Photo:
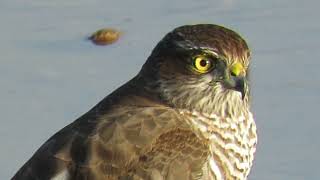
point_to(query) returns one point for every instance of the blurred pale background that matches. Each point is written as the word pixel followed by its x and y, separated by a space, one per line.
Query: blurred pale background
pixel 50 74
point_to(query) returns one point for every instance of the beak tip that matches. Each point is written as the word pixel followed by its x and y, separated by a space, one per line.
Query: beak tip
pixel 243 95
pixel 239 86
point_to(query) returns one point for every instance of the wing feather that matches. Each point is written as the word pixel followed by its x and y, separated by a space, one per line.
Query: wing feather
pixel 100 146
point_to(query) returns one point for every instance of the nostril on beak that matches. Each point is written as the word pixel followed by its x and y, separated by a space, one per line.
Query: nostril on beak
pixel 233 74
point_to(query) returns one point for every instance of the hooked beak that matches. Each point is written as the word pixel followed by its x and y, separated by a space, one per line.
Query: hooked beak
pixel 232 78
pixel 236 83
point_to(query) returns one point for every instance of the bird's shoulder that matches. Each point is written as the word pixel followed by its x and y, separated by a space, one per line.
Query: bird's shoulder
pixel 106 137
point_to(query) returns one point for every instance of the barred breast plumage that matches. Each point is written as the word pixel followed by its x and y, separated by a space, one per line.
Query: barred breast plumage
pixel 232 143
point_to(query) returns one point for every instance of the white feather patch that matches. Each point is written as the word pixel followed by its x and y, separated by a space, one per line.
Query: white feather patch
pixel 215 169
pixel 63 175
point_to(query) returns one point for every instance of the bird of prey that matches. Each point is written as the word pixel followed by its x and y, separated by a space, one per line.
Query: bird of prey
pixel 184 116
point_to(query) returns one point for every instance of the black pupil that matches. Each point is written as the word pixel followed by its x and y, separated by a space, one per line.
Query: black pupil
pixel 203 63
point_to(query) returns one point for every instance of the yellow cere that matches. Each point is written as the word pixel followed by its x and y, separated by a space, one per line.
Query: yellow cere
pixel 202 64
pixel 236 69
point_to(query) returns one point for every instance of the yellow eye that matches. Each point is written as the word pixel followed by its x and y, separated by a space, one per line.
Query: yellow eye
pixel 202 64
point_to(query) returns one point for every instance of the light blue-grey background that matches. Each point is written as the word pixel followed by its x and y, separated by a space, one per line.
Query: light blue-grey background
pixel 50 75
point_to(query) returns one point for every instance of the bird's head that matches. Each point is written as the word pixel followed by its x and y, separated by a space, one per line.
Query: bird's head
pixel 201 67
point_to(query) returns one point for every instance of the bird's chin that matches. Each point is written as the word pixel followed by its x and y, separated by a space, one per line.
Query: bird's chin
pixel 234 93
pixel 238 94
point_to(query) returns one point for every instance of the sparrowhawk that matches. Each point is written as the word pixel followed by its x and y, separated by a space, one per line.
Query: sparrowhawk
pixel 185 115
